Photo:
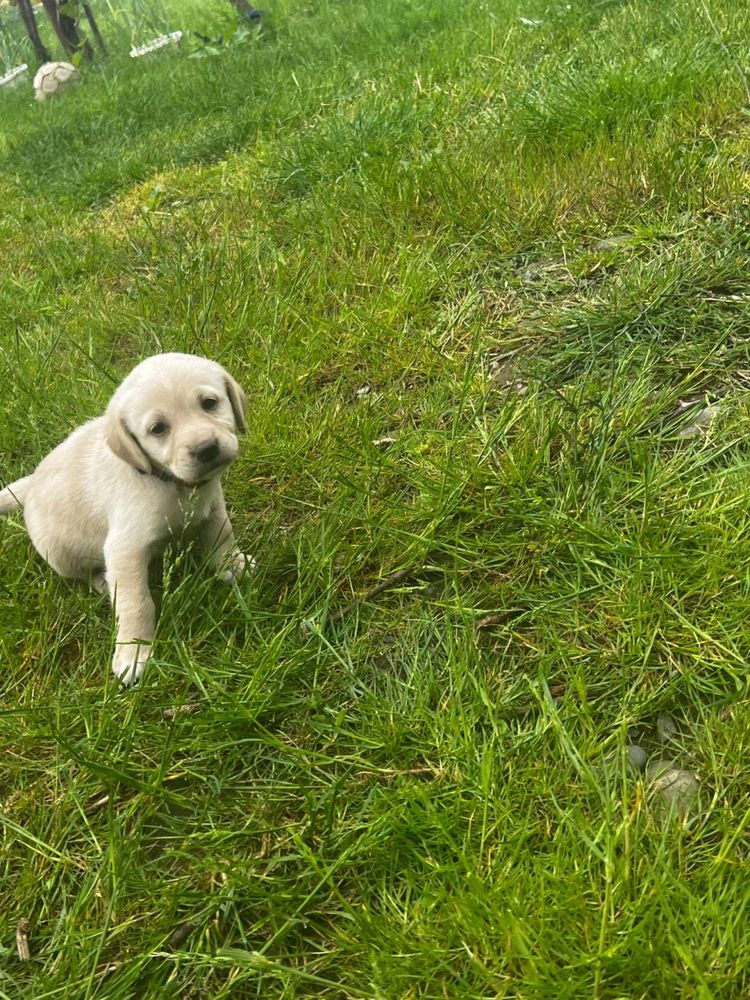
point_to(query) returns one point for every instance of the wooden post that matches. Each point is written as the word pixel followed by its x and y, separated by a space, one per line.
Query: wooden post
pixel 27 16
pixel 94 27
pixel 66 29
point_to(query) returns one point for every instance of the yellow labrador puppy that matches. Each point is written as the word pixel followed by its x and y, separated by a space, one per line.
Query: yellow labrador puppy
pixel 106 500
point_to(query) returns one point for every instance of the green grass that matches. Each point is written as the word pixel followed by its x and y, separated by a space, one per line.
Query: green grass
pixel 530 241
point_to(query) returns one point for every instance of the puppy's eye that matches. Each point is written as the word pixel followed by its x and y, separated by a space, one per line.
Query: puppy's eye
pixel 209 403
pixel 159 428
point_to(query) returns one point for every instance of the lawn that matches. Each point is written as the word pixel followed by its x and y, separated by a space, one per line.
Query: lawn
pixel 482 269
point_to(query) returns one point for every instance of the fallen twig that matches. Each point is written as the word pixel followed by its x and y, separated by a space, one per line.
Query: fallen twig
pixel 108 969
pixel 389 581
pixel 488 621
pixel 497 619
pixel 22 940
pixel 96 805
pixel 181 933
pixel 389 773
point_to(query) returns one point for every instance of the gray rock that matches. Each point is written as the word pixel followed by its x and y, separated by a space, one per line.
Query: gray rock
pixel 308 627
pixel 700 423
pixel 531 275
pixel 658 766
pixel 503 372
pixel 666 729
pixel 636 758
pixel 611 766
pixel 675 790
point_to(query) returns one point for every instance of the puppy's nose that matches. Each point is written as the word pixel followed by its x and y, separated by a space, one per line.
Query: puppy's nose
pixel 206 451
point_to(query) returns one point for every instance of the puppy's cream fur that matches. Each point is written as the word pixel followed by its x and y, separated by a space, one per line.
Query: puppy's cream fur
pixel 106 500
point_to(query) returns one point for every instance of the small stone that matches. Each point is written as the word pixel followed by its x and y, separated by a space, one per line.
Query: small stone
pixel 700 422
pixel 676 791
pixel 503 373
pixel 657 767
pixel 611 766
pixel 362 393
pixel 307 627
pixel 666 729
pixel 636 758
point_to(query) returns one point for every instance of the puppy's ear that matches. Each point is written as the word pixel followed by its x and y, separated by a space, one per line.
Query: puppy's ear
pixel 238 399
pixel 124 444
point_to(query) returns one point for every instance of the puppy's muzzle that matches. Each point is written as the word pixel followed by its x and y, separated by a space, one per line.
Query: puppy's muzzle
pixel 206 452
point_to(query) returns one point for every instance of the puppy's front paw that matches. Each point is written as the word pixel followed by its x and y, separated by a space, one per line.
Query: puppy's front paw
pixel 130 661
pixel 239 563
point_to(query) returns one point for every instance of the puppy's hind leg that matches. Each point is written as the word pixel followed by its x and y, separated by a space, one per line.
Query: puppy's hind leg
pixel 13 497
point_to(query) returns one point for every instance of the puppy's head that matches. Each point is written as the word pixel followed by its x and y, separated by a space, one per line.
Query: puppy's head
pixel 177 413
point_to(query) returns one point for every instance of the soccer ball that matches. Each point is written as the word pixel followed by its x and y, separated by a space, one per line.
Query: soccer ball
pixel 54 77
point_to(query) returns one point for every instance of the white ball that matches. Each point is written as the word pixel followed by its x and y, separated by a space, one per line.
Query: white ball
pixel 53 78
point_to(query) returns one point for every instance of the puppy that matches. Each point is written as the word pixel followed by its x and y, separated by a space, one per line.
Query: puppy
pixel 105 501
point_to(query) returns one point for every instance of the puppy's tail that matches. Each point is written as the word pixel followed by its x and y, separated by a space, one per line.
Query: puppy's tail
pixel 13 497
